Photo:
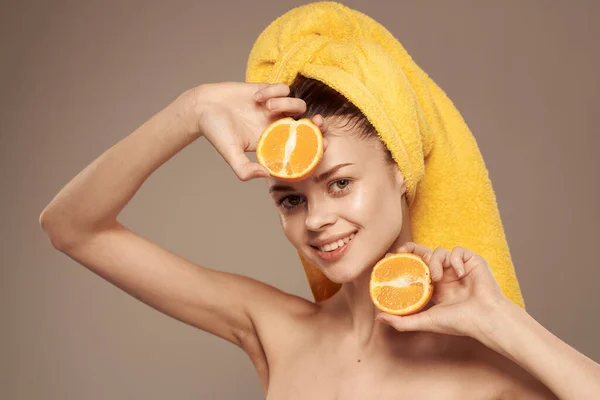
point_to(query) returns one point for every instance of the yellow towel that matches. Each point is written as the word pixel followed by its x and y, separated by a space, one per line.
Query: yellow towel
pixel 449 193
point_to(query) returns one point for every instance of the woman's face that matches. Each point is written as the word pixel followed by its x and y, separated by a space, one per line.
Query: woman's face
pixel 347 214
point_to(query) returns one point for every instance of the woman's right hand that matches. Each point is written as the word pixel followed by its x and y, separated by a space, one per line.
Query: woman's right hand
pixel 233 115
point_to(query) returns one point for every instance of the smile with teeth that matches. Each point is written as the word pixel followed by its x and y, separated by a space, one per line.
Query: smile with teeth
pixel 334 245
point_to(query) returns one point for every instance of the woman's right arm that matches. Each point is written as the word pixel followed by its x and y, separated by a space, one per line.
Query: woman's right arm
pixel 81 221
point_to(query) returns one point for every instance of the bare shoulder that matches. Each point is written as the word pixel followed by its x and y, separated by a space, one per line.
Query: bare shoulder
pixel 515 382
pixel 276 315
pixel 278 321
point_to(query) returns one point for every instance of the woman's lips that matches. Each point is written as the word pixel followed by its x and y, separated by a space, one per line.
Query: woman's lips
pixel 336 254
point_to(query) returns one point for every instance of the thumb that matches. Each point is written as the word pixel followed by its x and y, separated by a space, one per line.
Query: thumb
pixel 417 322
pixel 243 167
pixel 247 170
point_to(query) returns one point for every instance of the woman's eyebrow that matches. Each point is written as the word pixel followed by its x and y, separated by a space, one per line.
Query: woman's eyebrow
pixel 280 188
pixel 329 172
pixel 316 179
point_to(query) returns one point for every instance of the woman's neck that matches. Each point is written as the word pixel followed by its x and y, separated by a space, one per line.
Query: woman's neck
pixel 354 307
pixel 353 302
pixel 356 312
pixel 356 304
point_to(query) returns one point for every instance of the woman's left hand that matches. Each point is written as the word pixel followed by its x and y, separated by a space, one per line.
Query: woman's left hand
pixel 464 294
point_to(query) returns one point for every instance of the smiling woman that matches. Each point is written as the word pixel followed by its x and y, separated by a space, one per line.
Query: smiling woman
pixel 385 124
pixel 351 208
pixel 358 176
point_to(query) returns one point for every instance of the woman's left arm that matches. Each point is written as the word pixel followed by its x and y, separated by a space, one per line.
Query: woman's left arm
pixel 468 302
pixel 512 332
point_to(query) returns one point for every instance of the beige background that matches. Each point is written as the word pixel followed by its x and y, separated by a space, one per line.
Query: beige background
pixel 78 76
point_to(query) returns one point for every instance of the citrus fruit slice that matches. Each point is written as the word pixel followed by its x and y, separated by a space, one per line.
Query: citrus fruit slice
pixel 401 284
pixel 290 149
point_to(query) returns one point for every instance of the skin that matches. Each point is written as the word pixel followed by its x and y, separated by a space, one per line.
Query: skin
pixel 470 342
pixel 358 356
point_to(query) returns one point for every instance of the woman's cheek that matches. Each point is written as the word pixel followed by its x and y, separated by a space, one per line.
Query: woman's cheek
pixel 375 210
pixel 293 227
pixel 358 205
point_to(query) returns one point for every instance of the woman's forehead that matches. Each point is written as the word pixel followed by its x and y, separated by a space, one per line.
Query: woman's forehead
pixel 343 149
pixel 349 148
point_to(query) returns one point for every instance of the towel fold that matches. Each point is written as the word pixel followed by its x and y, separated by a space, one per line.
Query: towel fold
pixel 450 196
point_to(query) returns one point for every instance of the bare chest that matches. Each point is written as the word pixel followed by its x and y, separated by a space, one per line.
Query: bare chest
pixel 320 375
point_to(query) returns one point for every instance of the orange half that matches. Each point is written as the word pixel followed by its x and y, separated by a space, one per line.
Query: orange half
pixel 290 149
pixel 401 284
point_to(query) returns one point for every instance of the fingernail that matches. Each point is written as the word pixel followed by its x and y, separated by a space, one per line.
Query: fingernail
pixel 258 96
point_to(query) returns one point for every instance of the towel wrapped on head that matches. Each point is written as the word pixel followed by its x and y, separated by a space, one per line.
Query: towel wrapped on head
pixel 450 196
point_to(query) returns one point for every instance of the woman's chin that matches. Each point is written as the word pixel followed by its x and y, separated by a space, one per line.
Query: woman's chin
pixel 343 273
pixel 342 265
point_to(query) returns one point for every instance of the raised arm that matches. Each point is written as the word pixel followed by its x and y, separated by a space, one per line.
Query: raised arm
pixel 81 221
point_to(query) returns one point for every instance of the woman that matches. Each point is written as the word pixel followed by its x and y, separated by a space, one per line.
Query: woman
pixel 334 349
pixel 471 342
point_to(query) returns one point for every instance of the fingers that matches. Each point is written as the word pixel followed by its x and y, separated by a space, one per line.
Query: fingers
pixel 288 105
pixel 458 257
pixel 320 122
pixel 417 322
pixel 422 251
pixel 259 86
pixel 275 98
pixel 439 259
pixel 442 259
pixel 243 167
pixel 250 170
pixel 269 91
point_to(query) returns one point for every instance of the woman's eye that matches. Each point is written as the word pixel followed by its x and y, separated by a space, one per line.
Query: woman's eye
pixel 339 185
pixel 291 201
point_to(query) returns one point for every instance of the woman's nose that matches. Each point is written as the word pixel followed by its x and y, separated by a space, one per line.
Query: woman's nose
pixel 319 217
